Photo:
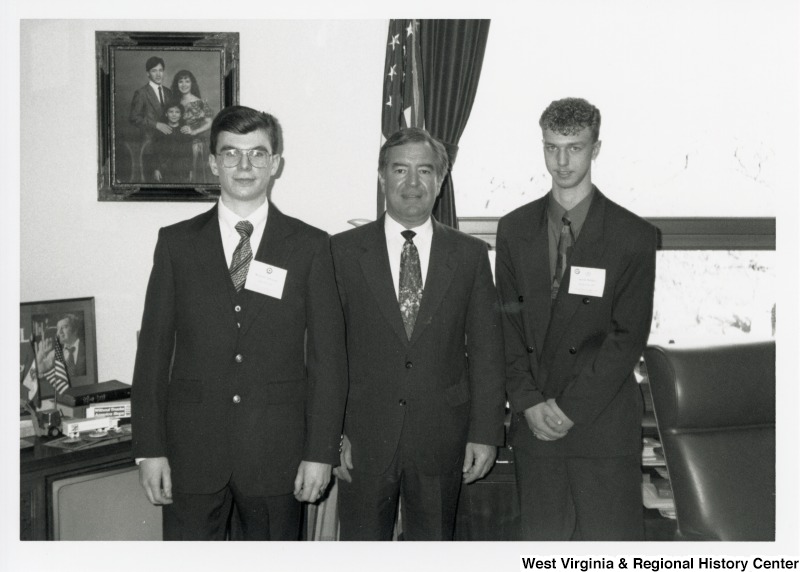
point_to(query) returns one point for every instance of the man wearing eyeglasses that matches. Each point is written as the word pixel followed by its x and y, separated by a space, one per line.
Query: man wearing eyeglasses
pixel 252 415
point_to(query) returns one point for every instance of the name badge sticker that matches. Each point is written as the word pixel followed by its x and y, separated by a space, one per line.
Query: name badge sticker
pixel 585 281
pixel 265 279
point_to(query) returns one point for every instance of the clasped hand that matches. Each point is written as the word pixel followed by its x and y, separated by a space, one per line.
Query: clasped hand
pixel 547 422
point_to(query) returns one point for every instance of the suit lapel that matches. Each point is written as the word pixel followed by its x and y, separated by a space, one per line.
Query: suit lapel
pixel 153 99
pixel 275 249
pixel 378 276
pixel 441 269
pixel 214 266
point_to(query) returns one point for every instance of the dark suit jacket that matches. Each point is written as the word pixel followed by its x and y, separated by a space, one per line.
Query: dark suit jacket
pixel 79 368
pixel 444 397
pixel 146 109
pixel 584 354
pixel 285 363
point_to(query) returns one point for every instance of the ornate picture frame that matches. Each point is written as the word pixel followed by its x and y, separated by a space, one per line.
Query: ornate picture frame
pixel 157 93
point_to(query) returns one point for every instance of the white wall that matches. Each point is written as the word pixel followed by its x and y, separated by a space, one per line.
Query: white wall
pixel 321 78
pixel 698 101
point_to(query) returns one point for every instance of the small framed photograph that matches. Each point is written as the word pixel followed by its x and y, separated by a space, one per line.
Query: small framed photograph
pixel 157 94
pixel 48 325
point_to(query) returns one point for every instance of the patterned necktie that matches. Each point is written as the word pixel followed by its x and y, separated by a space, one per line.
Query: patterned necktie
pixel 161 96
pixel 410 282
pixel 242 255
pixel 565 242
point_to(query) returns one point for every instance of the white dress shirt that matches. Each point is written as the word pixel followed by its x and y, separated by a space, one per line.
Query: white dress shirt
pixel 155 87
pixel 231 237
pixel 395 241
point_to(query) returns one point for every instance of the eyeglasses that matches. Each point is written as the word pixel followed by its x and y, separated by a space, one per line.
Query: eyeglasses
pixel 232 157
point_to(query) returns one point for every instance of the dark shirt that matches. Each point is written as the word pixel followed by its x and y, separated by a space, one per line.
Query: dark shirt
pixel 173 155
pixel 577 215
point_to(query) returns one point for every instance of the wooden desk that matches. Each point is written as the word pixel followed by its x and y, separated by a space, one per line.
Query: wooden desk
pixel 40 465
pixel 489 509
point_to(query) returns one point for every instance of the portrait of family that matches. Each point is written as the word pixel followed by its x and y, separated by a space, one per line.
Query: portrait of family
pixel 163 105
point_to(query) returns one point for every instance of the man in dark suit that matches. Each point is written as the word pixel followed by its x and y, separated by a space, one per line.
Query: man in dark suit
pixel 147 109
pixel 69 333
pixel 575 273
pixel 424 345
pixel 240 377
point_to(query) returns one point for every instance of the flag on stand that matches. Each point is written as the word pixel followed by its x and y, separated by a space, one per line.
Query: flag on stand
pixel 29 381
pixel 58 376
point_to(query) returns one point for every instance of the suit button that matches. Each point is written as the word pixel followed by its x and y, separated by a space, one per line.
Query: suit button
pixel 529 349
pixel 237 308
pixel 238 325
pixel 239 358
pixel 587 301
pixel 237 399
pixel 409 365
pixel 521 298
pixel 402 402
pixel 573 351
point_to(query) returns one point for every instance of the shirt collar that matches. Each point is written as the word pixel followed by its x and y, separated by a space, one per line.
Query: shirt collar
pixel 228 219
pixel 394 229
pixel 576 215
pixel 155 85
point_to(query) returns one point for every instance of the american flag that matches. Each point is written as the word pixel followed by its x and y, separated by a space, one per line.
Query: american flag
pixel 403 104
pixel 58 376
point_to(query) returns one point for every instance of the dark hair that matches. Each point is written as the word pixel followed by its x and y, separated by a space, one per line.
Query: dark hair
pixel 571 115
pixel 241 120
pixel 153 62
pixel 416 135
pixel 173 102
pixel 75 323
pixel 195 90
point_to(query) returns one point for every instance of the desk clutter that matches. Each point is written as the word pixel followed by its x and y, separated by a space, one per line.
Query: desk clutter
pixel 84 416
pixel 656 486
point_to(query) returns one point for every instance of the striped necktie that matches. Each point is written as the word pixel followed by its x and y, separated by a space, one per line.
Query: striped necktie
pixel 242 255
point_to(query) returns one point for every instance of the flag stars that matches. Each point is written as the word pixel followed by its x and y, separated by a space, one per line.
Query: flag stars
pixel 392 72
pixel 389 103
pixel 410 29
pixel 395 41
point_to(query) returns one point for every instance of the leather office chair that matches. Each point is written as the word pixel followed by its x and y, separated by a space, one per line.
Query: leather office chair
pixel 715 410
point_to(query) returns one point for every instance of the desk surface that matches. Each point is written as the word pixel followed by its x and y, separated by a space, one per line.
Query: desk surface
pixel 41 457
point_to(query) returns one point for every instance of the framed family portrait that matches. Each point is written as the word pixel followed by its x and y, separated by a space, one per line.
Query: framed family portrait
pixel 70 324
pixel 157 94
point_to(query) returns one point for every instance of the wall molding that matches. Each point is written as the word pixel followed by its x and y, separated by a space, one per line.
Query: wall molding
pixel 675 233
